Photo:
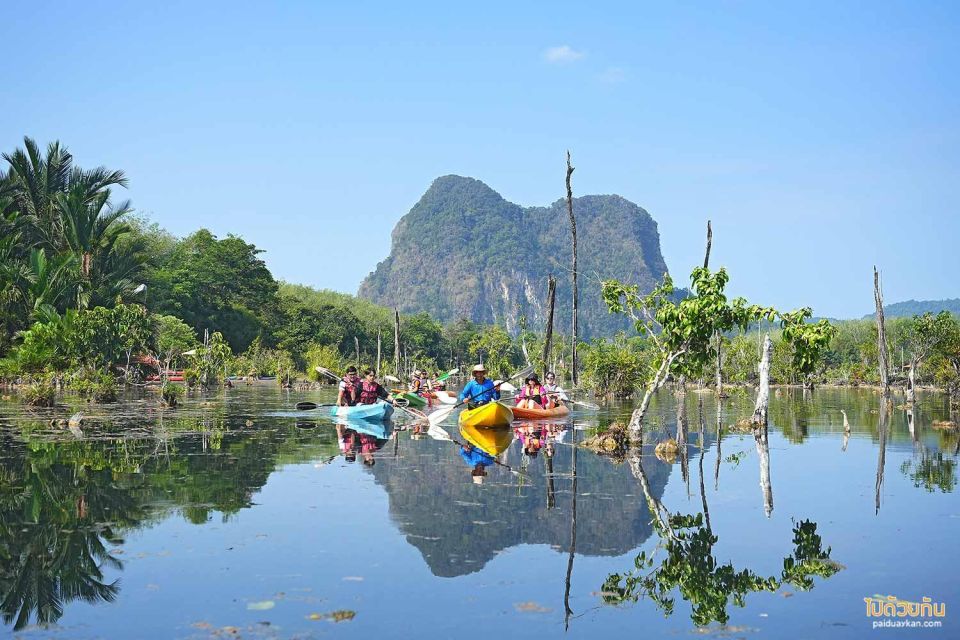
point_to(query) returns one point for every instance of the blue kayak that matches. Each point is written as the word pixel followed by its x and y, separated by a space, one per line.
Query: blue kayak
pixel 376 412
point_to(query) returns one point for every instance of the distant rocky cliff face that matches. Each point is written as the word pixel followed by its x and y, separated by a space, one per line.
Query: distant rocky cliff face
pixel 464 252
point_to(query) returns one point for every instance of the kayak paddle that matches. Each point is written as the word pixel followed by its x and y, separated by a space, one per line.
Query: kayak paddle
pixel 441 414
pixel 310 406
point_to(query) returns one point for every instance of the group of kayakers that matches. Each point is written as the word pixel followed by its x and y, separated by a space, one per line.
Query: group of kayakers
pixel 533 395
pixel 357 389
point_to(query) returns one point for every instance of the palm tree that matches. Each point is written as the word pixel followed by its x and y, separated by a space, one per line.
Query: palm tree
pixel 93 231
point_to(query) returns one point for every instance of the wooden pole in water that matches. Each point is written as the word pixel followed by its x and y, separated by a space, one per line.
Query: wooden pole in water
pixel 396 342
pixel 548 340
pixel 573 231
pixel 881 337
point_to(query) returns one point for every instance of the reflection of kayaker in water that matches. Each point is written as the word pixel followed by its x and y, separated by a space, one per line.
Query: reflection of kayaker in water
pixel 347 439
pixel 478 459
pixel 531 436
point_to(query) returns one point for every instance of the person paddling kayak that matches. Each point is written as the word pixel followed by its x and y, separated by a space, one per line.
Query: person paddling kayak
pixel 370 389
pixel 480 390
pixel 532 395
pixel 555 394
pixel 349 393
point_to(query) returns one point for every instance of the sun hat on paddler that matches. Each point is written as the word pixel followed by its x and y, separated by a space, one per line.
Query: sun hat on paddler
pixel 479 369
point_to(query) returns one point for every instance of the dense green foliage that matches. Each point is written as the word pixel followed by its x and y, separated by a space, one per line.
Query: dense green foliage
pixel 464 252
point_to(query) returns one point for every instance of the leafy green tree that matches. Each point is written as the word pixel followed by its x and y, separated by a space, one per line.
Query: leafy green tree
pixel 495 348
pixel 681 331
pixel 172 337
pixel 809 341
pixel 217 284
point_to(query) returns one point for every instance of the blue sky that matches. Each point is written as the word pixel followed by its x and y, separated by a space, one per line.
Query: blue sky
pixel 820 138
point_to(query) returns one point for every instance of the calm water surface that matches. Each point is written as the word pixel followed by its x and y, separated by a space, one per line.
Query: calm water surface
pixel 235 516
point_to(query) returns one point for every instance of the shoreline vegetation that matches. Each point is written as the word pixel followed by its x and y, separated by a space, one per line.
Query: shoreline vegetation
pixel 94 298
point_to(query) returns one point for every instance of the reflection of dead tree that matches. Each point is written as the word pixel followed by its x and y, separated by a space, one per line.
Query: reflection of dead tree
pixel 882 455
pixel 703 493
pixel 573 533
pixel 716 468
pixel 760 434
pixel 682 437
pixel 846 430
pixel 656 507
pixel 551 493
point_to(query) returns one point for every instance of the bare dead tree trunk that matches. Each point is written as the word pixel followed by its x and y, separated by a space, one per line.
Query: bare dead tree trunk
pixel 548 340
pixel 706 258
pixel 378 353
pixel 356 346
pixel 573 230
pixel 763 392
pixel 719 374
pixel 881 337
pixel 396 342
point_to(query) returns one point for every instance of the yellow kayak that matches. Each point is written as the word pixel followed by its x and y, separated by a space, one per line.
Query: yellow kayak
pixel 490 441
pixel 492 414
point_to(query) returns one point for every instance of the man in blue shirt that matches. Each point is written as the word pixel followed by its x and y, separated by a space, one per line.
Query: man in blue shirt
pixel 480 390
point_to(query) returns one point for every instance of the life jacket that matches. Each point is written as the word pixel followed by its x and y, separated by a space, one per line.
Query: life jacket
pixel 369 392
pixel 351 392
pixel 536 397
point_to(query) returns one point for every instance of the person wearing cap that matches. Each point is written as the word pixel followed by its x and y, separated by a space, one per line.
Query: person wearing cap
pixel 480 390
pixel 350 387
pixel 531 396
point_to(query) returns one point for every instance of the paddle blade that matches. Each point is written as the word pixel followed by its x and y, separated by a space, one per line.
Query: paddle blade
pixel 326 372
pixel 523 373
pixel 588 405
pixel 306 406
pixel 438 416
pixel 506 386
pixel 391 378
pixel 446 398
pixel 437 433
pixel 446 375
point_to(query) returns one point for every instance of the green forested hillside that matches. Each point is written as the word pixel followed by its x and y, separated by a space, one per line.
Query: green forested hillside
pixel 910 308
pixel 464 252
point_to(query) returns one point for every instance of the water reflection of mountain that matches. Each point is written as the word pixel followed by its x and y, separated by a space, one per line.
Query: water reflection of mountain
pixel 458 526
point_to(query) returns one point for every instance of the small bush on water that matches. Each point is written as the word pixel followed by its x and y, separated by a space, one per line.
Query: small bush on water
pixel 40 393
pixel 170 393
pixel 95 385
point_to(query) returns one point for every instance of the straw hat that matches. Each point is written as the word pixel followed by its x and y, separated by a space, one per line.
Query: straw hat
pixel 479 369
